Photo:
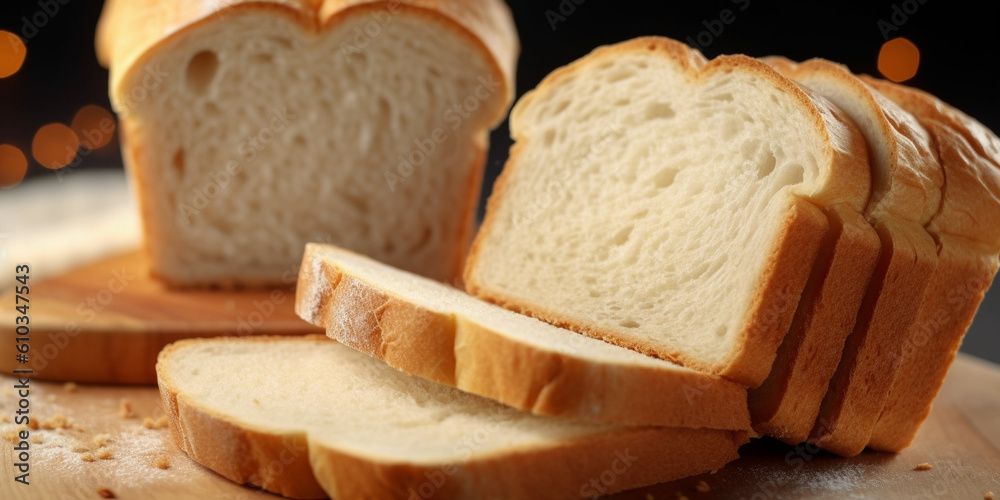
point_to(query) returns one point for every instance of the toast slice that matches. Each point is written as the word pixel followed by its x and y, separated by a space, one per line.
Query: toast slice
pixel 967 231
pixel 906 191
pixel 252 127
pixel 434 331
pixel 667 204
pixel 306 417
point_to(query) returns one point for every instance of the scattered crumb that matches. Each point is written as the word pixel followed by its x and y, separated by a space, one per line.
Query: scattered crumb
pixel 88 457
pixel 33 424
pixel 79 448
pixel 69 387
pixel 703 487
pixel 37 439
pixel 158 423
pixel 924 466
pixel 125 409
pixel 988 495
pixel 162 462
pixel 101 440
pixel 105 493
pixel 56 422
pixel 104 454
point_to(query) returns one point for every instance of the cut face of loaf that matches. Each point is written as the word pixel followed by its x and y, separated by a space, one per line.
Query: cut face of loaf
pixel 667 204
pixel 254 129
pixel 437 332
pixel 339 423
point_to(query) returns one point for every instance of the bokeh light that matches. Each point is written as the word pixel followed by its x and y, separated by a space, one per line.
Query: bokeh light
pixel 13 166
pixel 55 145
pixel 94 125
pixel 899 59
pixel 12 53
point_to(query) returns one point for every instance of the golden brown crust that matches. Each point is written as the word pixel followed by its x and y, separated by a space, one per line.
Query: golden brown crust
pixel 967 228
pixel 961 280
pixel 785 406
pixel 130 31
pixel 861 384
pixel 294 466
pixel 778 291
pixel 459 352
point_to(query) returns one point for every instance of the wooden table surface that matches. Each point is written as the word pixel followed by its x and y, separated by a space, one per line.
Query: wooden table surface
pixel 961 440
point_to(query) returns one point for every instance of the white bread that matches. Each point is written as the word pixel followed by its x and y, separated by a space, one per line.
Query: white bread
pixel 667 204
pixel 253 127
pixel 858 358
pixel 967 231
pixel 439 333
pixel 307 417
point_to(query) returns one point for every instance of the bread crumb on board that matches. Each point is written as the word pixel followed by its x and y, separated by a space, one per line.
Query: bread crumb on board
pixel 162 462
pixel 102 440
pixel 924 466
pixel 158 423
pixel 703 487
pixel 105 493
pixel 69 387
pixel 988 495
pixel 105 454
pixel 57 422
pixel 88 457
pixel 125 409
pixel 79 448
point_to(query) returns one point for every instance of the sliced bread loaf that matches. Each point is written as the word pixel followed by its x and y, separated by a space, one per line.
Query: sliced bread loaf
pixel 442 334
pixel 967 231
pixel 308 417
pixel 868 314
pixel 253 127
pixel 668 204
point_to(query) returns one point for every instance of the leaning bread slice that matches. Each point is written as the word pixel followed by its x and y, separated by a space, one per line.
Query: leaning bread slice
pixel 853 353
pixel 967 230
pixel 251 127
pixel 667 204
pixel 437 332
pixel 307 417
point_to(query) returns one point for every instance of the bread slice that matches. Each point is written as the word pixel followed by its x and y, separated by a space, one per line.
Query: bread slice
pixel 253 127
pixel 869 315
pixel 439 333
pixel 667 204
pixel 967 231
pixel 307 417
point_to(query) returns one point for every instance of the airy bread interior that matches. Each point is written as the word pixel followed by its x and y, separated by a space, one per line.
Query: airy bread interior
pixel 261 135
pixel 303 416
pixel 647 193
pixel 432 330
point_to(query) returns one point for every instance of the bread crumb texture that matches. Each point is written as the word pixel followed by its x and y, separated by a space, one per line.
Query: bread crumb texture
pixel 105 493
pixel 924 466
pixel 703 487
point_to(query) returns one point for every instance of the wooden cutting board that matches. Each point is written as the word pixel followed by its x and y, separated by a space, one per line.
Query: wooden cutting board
pixel 961 441
pixel 107 321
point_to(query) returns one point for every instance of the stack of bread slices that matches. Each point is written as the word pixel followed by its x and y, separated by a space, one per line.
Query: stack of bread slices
pixel 679 254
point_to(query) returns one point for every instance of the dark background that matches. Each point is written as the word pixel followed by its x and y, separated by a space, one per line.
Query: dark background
pixel 959 44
